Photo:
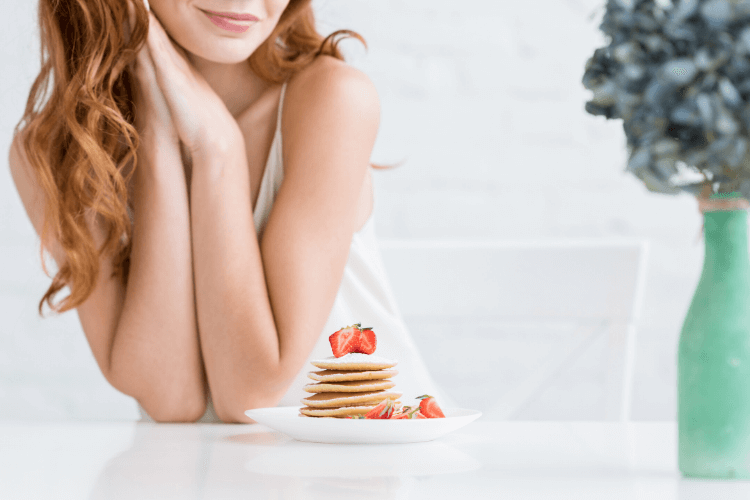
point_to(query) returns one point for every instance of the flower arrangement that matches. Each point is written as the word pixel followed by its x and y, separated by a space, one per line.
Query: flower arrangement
pixel 678 74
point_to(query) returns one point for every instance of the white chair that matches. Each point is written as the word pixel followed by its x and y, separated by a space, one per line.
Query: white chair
pixel 524 330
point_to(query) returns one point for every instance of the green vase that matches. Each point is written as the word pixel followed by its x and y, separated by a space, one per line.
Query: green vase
pixel 713 362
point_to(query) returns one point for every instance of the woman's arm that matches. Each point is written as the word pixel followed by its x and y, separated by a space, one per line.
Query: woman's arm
pixel 262 305
pixel 156 353
pixel 143 338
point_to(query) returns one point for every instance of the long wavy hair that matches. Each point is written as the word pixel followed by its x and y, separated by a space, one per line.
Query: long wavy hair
pixel 80 112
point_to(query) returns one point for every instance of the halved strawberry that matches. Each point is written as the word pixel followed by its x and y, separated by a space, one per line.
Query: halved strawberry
pixel 382 411
pixel 345 340
pixel 429 407
pixel 410 413
pixel 367 341
pixel 400 412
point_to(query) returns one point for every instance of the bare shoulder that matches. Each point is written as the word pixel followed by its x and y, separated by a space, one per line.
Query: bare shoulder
pixel 329 87
pixel 24 179
pixel 31 193
pixel 18 161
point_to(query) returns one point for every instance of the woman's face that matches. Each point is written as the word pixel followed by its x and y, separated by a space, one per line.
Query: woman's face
pixel 218 38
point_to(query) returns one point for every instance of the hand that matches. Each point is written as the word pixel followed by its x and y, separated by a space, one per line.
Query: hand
pixel 200 117
pixel 153 119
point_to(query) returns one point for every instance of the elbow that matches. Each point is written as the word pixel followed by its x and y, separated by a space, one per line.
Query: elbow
pixel 177 414
pixel 169 400
pixel 234 414
pixel 233 418
pixel 232 410
pixel 182 409
pixel 177 418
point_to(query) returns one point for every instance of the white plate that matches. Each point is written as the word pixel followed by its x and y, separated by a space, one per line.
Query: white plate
pixel 286 419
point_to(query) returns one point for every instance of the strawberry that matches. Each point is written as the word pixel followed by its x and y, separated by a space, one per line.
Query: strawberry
pixel 353 338
pixel 345 340
pixel 411 413
pixel 367 341
pixel 382 411
pixel 400 413
pixel 429 407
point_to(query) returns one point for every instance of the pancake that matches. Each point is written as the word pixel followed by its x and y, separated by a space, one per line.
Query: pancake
pixel 344 375
pixel 341 412
pixel 338 399
pixel 335 412
pixel 354 361
pixel 350 386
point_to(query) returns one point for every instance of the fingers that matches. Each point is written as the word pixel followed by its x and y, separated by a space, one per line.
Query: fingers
pixel 145 66
pixel 155 72
pixel 131 15
pixel 162 45
pixel 155 30
pixel 149 97
pixel 130 22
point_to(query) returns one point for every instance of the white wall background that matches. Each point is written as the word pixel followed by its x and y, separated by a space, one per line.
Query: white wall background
pixel 483 99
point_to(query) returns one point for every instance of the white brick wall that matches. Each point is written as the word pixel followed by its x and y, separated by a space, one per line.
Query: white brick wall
pixel 483 100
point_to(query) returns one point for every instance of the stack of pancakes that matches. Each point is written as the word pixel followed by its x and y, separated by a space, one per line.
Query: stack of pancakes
pixel 350 385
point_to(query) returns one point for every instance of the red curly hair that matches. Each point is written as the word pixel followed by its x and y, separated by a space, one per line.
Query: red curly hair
pixel 80 108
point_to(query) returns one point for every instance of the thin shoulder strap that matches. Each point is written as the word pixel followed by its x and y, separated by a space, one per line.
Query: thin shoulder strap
pixel 272 174
pixel 281 107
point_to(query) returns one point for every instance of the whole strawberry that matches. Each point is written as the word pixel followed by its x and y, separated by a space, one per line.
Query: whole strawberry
pixel 429 407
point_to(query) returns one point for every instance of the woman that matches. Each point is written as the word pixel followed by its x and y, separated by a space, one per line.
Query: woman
pixel 208 258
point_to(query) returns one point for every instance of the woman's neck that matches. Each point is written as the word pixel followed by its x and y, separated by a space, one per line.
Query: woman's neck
pixel 236 84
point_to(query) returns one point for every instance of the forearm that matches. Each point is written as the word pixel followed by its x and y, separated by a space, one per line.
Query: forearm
pixel 238 335
pixel 156 354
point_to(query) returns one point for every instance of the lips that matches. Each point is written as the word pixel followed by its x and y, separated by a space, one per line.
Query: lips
pixel 232 15
pixel 223 20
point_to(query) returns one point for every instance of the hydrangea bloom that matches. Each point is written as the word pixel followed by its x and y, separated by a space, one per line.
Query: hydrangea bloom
pixel 678 75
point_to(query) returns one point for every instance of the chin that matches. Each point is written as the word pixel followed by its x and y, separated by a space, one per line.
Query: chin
pixel 224 53
pixel 204 40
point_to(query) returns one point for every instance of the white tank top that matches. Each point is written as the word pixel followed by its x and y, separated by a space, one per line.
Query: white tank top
pixel 364 296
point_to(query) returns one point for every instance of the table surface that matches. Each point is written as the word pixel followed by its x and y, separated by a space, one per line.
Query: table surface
pixel 509 460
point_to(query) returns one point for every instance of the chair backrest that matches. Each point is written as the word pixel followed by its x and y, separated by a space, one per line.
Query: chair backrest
pixel 514 280
pixel 524 329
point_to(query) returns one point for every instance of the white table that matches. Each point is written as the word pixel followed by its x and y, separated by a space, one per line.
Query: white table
pixel 508 460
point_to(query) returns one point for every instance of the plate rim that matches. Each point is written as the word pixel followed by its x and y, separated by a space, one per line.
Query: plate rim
pixel 285 419
pixel 286 412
